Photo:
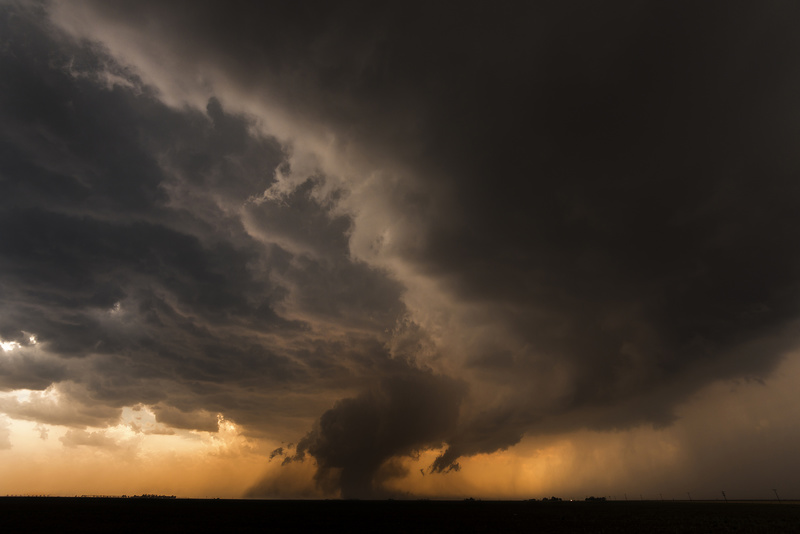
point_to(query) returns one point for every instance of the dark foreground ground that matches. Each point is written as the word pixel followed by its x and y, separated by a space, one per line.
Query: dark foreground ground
pixel 59 514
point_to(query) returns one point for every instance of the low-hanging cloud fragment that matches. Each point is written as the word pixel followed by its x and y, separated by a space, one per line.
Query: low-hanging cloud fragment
pixel 193 420
pixel 77 438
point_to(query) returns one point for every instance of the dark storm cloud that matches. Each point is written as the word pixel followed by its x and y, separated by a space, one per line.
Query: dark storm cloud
pixel 613 185
pixel 631 200
pixel 122 250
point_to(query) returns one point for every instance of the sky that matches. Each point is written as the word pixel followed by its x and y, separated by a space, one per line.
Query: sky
pixel 400 249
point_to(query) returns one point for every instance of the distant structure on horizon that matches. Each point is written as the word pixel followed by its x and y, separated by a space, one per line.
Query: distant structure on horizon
pixel 142 496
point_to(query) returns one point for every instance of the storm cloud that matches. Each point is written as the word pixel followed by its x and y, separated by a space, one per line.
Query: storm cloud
pixel 424 227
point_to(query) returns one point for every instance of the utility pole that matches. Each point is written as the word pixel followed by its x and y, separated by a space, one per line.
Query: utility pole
pixel 776 494
pixel 690 495
pixel 662 496
pixel 724 496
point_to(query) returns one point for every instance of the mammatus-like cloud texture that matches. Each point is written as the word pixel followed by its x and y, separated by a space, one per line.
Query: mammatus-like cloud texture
pixel 382 230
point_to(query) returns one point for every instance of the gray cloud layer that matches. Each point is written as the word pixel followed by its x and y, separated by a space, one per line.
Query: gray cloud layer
pixel 604 197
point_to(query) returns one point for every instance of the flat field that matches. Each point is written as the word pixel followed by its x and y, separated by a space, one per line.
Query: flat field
pixel 90 515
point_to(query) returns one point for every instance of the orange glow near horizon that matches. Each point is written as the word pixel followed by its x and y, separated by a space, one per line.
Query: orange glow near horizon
pixel 55 460
pixel 139 455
